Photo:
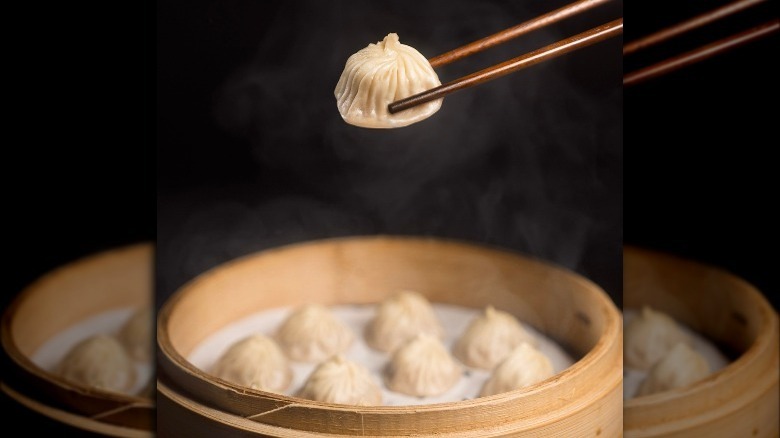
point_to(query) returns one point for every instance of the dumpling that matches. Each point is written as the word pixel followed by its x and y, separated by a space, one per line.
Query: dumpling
pixel 524 366
pixel 489 338
pixel 680 367
pixel 99 362
pixel 422 368
pixel 379 75
pixel 312 334
pixel 649 336
pixel 399 318
pixel 339 380
pixel 136 334
pixel 255 362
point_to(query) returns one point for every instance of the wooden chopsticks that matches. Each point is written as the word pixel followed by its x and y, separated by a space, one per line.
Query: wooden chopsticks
pixel 585 39
pixel 688 25
pixel 702 52
pixel 515 31
pixel 554 50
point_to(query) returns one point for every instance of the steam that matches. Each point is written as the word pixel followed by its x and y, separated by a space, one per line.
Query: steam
pixel 225 227
pixel 530 162
pixel 284 104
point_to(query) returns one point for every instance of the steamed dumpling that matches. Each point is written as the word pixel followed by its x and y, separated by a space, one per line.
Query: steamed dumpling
pixel 99 362
pixel 399 318
pixel 423 367
pixel 312 334
pixel 489 338
pixel 136 334
pixel 379 75
pixel 524 366
pixel 255 362
pixel 649 336
pixel 680 367
pixel 338 380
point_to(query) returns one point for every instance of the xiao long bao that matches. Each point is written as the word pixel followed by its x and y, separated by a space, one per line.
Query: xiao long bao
pixel 99 362
pixel 489 338
pixel 680 367
pixel 255 362
pixel 379 75
pixel 341 381
pixel 400 318
pixel 649 336
pixel 422 367
pixel 425 390
pixel 312 334
pixel 524 366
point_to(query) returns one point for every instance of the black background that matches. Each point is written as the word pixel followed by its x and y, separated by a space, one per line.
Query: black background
pixel 79 155
pixel 252 152
pixel 113 107
pixel 699 178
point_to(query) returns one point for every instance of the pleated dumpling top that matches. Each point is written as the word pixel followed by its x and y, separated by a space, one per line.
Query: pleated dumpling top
pixel 490 338
pixel 524 366
pixel 312 334
pixel 399 318
pixel 422 367
pixel 256 362
pixel 339 380
pixel 380 74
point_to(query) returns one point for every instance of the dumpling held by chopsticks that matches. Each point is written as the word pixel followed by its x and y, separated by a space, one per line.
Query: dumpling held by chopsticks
pixel 380 74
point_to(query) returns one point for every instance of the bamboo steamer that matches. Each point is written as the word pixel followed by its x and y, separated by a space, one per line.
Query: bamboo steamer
pixel 583 400
pixel 117 278
pixel 740 400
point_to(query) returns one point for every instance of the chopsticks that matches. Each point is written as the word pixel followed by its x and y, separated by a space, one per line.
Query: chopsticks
pixel 585 39
pixel 702 52
pixel 553 50
pixel 515 31
pixel 689 25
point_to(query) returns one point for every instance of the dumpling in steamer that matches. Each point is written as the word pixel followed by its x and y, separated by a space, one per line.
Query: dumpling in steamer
pixel 255 362
pixel 136 334
pixel 399 318
pixel 312 334
pixel 649 336
pixel 489 338
pixel 680 367
pixel 99 362
pixel 423 367
pixel 377 76
pixel 338 380
pixel 524 366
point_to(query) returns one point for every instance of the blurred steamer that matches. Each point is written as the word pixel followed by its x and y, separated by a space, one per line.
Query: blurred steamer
pixel 92 296
pixel 738 400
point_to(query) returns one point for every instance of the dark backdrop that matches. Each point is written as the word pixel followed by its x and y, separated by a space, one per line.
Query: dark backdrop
pixel 252 152
pixel 78 155
pixel 700 178
pixel 80 151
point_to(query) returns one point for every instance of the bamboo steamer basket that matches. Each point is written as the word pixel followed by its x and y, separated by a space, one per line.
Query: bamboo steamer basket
pixel 583 400
pixel 740 400
pixel 117 278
